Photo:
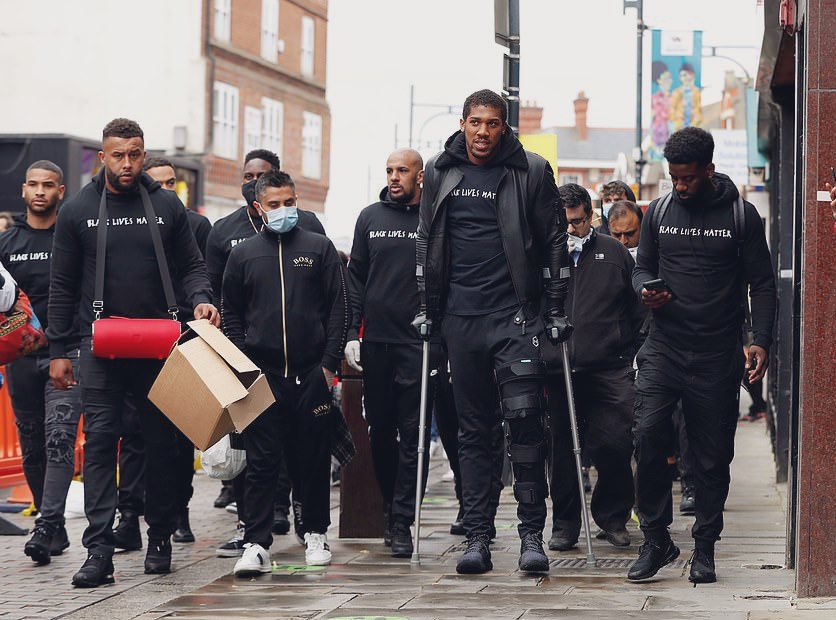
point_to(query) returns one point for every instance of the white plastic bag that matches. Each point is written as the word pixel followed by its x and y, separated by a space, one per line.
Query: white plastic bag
pixel 223 462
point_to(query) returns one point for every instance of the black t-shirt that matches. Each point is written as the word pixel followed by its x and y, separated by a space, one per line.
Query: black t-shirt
pixel 480 280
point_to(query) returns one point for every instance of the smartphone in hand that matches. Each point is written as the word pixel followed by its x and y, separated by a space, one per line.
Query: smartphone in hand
pixel 657 286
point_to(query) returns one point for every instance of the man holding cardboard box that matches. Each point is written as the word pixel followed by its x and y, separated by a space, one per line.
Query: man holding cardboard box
pixel 284 305
pixel 124 220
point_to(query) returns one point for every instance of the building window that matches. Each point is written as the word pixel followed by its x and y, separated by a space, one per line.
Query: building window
pixel 570 178
pixel 252 128
pixel 311 145
pixel 223 19
pixel 225 120
pixel 270 29
pixel 272 125
pixel 308 42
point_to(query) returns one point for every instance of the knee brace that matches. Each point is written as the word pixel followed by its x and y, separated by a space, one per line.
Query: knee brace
pixel 530 492
pixel 522 405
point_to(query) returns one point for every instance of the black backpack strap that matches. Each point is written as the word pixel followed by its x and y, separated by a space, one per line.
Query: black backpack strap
pixel 659 211
pixel 739 234
pixel 162 262
pixel 101 254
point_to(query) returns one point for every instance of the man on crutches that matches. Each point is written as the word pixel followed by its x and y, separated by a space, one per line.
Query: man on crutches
pixel 490 227
pixel 608 317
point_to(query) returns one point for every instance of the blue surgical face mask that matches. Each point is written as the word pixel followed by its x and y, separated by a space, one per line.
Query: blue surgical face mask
pixel 606 208
pixel 281 220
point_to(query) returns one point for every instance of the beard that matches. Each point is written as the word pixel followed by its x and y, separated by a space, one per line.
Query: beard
pixel 43 210
pixel 116 182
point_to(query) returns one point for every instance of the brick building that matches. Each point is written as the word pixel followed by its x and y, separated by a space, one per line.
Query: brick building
pixel 586 155
pixel 213 80
pixel 266 89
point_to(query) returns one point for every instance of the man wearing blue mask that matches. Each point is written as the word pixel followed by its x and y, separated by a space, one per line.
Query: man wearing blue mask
pixel 284 305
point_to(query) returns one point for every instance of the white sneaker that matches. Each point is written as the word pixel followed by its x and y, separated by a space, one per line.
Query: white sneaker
pixel 317 552
pixel 232 507
pixel 256 560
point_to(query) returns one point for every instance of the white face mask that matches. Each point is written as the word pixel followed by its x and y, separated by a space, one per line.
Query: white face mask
pixel 606 208
pixel 633 252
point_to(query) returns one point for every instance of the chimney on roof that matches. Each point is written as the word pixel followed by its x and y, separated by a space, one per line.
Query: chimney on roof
pixel 531 118
pixel 581 106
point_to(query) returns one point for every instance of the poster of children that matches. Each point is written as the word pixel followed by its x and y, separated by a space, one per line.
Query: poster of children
pixel 676 74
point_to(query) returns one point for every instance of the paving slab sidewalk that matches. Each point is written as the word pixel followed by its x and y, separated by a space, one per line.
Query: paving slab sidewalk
pixel 365 581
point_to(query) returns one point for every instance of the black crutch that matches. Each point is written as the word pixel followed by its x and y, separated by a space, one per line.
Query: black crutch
pixel 576 443
pixel 422 423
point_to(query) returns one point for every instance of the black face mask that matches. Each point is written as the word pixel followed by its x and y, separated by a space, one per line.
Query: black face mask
pixel 248 192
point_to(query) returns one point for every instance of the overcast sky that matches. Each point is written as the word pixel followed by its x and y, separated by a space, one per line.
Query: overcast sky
pixel 377 48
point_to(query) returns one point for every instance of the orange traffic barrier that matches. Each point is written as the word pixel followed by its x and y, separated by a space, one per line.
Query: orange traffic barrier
pixel 11 467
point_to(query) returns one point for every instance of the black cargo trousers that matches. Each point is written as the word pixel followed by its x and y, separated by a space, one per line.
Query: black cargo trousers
pixel 494 358
pixel 708 383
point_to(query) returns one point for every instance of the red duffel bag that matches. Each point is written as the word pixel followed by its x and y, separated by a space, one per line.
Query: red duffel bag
pixel 117 337
pixel 20 331
pixel 120 337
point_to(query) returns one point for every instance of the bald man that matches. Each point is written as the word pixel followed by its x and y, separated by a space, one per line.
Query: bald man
pixel 384 299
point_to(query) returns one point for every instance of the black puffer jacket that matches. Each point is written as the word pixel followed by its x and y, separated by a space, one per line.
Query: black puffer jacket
pixel 531 220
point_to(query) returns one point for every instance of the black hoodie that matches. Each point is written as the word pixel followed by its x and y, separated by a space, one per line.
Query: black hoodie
pixel 25 252
pixel 284 302
pixel 132 286
pixel 697 255
pixel 532 231
pixel 381 272
pixel 234 228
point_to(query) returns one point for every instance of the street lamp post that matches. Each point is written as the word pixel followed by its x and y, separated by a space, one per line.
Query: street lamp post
pixel 640 28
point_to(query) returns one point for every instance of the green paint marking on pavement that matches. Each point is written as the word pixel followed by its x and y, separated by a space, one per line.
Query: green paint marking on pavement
pixel 433 500
pixel 296 568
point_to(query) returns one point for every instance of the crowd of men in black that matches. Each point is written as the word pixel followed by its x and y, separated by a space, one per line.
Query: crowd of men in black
pixel 477 252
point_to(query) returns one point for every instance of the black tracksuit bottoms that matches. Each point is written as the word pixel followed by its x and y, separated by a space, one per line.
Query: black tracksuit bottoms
pixel 447 422
pixel 297 425
pixel 604 404
pixel 104 386
pixel 709 385
pixel 391 400
pixel 477 346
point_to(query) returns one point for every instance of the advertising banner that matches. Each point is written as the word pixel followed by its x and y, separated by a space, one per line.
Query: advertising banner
pixel 676 81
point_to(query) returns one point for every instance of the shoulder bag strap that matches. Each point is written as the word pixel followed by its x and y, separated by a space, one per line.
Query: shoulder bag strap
pixel 101 254
pixel 658 214
pixel 162 262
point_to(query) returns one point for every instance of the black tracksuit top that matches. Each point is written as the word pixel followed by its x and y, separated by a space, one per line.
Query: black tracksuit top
pixel 132 286
pixel 381 273
pixel 697 255
pixel 284 302
pixel 602 307
pixel 234 228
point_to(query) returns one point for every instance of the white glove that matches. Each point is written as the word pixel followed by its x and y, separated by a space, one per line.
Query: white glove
pixel 352 355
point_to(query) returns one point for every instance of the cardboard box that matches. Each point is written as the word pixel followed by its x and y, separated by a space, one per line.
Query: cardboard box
pixel 208 387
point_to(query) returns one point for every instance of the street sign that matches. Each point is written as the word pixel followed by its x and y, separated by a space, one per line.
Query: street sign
pixel 502 23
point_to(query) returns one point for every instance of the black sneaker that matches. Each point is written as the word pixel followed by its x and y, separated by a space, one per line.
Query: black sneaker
pixel 281 524
pixel 234 547
pixel 688 505
pixel 562 540
pixel 532 557
pixel 126 534
pixel 476 558
pixel 618 538
pixel 457 526
pixel 60 541
pixel 225 497
pixel 183 533
pixel 38 546
pixel 702 567
pixel 653 555
pixel 158 557
pixel 298 524
pixel 97 570
pixel 401 541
